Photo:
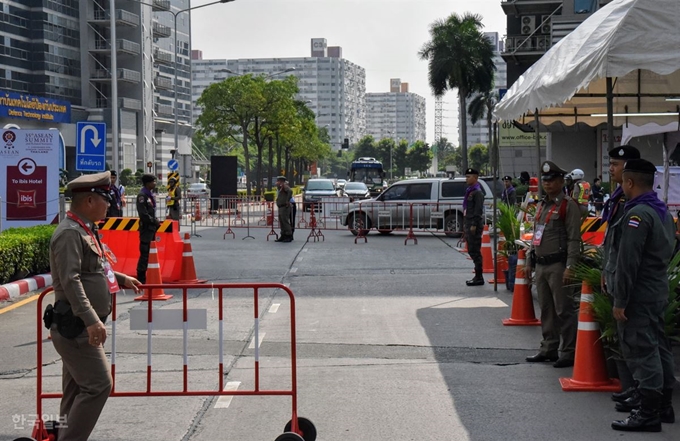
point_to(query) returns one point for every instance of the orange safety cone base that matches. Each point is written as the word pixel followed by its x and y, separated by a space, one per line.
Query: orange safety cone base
pixel 154 295
pixel 153 277
pixel 520 322
pixel 571 385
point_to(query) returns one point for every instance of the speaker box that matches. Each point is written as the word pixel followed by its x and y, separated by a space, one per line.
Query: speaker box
pixel 223 179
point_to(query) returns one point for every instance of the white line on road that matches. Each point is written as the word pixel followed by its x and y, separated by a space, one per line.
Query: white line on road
pixel 305 250
pixel 293 269
pixel 300 259
pixel 259 341
pixel 287 285
pixel 224 401
pixel 274 308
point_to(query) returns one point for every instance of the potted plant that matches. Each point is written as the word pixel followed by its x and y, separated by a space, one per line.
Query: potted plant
pixel 509 224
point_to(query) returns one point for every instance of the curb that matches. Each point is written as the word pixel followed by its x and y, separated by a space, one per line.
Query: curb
pixel 23 286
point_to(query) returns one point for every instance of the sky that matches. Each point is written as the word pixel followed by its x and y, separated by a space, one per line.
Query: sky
pixel 382 36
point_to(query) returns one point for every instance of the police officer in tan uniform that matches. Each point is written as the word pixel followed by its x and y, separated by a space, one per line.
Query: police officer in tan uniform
pixel 555 249
pixel 83 281
pixel 283 202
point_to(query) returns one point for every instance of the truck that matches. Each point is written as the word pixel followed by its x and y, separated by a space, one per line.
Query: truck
pixel 432 203
pixel 370 172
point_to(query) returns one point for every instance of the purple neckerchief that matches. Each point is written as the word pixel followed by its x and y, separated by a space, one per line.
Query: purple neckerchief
pixel 469 190
pixel 650 198
pixel 147 192
pixel 613 201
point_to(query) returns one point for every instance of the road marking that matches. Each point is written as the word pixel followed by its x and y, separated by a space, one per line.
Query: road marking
pixel 259 342
pixel 14 306
pixel 305 250
pixel 300 259
pixel 293 269
pixel 274 308
pixel 225 400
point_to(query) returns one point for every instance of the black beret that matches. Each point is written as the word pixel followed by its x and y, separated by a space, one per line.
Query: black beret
pixel 507 178
pixel 624 152
pixel 471 171
pixel 114 173
pixel 639 166
pixel 148 178
pixel 550 170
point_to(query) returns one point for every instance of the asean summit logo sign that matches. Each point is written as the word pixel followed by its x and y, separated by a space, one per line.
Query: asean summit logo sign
pixel 9 148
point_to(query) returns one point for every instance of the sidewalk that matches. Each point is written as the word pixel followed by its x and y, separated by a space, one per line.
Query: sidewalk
pixel 20 287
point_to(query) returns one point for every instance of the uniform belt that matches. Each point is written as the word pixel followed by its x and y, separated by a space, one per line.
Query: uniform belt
pixel 551 258
pixel 281 206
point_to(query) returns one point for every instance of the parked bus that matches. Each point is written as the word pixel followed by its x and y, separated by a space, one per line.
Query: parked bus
pixel 370 172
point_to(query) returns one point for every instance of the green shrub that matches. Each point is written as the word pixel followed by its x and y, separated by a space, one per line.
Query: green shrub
pixel 25 251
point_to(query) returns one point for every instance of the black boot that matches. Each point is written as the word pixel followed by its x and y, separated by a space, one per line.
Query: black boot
pixel 647 418
pixel 633 402
pixel 620 397
pixel 478 279
pixel 667 413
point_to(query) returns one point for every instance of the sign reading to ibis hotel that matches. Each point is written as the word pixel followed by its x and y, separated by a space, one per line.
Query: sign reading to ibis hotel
pixel 29 177
pixel 17 105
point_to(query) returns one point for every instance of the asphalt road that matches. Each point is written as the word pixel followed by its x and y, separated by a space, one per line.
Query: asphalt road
pixel 391 346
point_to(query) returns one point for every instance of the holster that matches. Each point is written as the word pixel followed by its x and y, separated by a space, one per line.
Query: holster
pixel 68 325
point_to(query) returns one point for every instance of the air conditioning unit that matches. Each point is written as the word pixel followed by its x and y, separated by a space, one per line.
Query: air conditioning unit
pixel 546 26
pixel 528 24
pixel 509 44
pixel 543 42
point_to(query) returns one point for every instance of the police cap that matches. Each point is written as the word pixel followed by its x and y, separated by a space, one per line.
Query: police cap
pixel 471 171
pixel 281 178
pixel 148 178
pixel 639 166
pixel 624 152
pixel 550 170
pixel 97 182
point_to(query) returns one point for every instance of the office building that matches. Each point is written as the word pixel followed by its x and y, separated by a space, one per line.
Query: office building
pixel 333 87
pixel 397 114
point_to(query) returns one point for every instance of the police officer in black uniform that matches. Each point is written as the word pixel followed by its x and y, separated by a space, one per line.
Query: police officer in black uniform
pixel 148 223
pixel 473 207
pixel 638 281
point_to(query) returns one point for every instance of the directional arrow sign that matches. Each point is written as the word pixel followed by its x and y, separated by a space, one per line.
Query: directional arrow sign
pixel 90 150
pixel 26 166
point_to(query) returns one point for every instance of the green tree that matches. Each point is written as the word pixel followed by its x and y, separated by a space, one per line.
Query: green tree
pixel 126 177
pixel 366 147
pixel 482 106
pixel 399 156
pixel 459 57
pixel 479 157
pixel 454 158
pixel 442 149
pixel 419 156
pixel 385 147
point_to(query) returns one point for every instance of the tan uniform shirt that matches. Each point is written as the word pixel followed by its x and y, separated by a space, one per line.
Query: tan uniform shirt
pixel 283 196
pixel 78 272
pixel 559 235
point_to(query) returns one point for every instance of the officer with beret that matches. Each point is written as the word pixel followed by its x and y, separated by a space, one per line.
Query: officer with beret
pixel 638 282
pixel 473 209
pixel 148 223
pixel 173 198
pixel 283 202
pixel 117 201
pixel 83 280
pixel 555 248
pixel 509 195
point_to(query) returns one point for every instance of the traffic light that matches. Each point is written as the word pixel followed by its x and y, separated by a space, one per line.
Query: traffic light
pixel 345 144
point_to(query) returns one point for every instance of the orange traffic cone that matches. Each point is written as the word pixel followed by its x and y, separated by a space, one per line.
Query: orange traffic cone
pixel 487 255
pixel 188 272
pixel 590 370
pixel 153 277
pixel 498 274
pixel 522 313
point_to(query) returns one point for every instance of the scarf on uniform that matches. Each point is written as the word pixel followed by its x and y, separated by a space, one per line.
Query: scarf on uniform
pixel 611 203
pixel 150 195
pixel 469 190
pixel 650 198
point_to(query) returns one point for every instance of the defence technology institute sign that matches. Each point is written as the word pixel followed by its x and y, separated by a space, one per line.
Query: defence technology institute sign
pixel 15 105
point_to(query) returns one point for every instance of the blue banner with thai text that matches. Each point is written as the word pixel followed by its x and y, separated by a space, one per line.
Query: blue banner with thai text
pixel 19 105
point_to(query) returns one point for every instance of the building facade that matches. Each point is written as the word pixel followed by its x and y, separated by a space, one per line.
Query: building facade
pixel 333 87
pixel 397 114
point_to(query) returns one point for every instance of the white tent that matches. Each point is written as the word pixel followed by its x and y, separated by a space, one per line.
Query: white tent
pixel 636 43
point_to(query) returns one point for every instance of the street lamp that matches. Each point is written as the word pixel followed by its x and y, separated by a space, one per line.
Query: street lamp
pixel 391 145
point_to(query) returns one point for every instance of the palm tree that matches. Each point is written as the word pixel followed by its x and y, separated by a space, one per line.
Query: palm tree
pixel 459 57
pixel 482 106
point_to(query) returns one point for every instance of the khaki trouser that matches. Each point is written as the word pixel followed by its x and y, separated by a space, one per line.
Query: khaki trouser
pixel 86 383
pixel 284 221
pixel 559 311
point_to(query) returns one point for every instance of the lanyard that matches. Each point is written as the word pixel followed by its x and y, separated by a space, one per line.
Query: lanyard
pixel 100 252
pixel 540 210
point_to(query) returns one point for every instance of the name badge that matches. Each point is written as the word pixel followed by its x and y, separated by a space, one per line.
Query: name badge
pixel 111 278
pixel 538 235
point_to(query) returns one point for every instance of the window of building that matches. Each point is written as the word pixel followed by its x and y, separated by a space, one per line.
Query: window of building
pixel 584 6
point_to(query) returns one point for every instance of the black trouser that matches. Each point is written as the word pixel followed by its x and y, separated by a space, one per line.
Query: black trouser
pixel 474 244
pixel 146 235
pixel 293 212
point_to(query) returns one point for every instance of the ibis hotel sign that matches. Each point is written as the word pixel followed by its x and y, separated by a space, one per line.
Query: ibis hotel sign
pixel 29 177
pixel 18 105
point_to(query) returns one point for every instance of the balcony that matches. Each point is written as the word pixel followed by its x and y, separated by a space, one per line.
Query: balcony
pixel 526 47
pixel 161 5
pixel 130 103
pixel 128 47
pixel 163 83
pixel 163 110
pixel 129 75
pixel 161 31
pixel 123 17
pixel 530 7
pixel 162 57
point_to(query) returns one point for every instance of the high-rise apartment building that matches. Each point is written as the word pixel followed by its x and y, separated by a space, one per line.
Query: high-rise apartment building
pixel 397 114
pixel 62 50
pixel 333 87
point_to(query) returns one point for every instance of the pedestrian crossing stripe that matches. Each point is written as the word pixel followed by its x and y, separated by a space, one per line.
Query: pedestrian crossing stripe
pixel 130 224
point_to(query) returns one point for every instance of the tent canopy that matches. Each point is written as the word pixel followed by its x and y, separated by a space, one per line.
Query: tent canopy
pixel 633 41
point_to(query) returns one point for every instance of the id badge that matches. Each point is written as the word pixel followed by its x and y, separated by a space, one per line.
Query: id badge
pixel 111 278
pixel 538 235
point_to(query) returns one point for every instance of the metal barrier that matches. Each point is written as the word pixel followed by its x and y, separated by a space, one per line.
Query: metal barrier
pixel 298 428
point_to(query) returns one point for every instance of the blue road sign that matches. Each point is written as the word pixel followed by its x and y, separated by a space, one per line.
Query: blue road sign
pixel 173 164
pixel 90 146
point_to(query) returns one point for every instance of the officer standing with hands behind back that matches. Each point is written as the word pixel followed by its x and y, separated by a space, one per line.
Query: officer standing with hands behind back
pixel 473 209
pixel 83 281
pixel 148 223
